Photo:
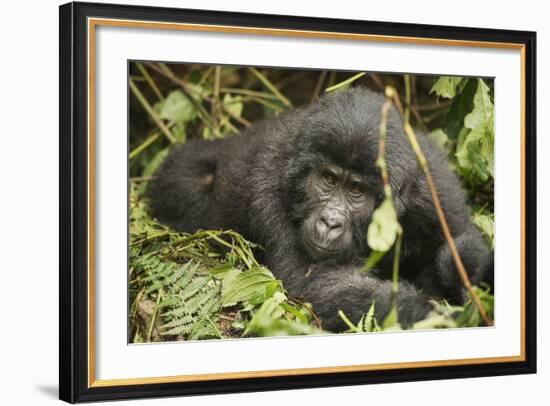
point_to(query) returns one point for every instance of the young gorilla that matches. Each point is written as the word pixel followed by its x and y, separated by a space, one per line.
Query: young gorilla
pixel 304 186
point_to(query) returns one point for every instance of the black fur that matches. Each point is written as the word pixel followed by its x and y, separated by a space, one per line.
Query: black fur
pixel 254 183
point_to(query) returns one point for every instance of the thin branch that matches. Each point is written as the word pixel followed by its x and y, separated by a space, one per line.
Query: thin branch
pixel 381 164
pixel 189 92
pixel 141 178
pixel 150 80
pixel 263 102
pixel 407 80
pixel 380 160
pixel 345 82
pixel 392 93
pixel 137 150
pixel 380 83
pixel 248 92
pixel 215 105
pixel 265 81
pixel 151 112
pixel 318 86
pixel 154 316
pixel 434 106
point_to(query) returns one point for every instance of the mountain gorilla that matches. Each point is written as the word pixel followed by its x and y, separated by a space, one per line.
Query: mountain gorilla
pixel 304 186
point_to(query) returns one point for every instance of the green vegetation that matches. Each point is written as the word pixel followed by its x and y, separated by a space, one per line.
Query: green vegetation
pixel 209 284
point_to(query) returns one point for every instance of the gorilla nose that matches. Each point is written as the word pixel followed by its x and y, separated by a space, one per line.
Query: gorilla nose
pixel 331 221
pixel 330 225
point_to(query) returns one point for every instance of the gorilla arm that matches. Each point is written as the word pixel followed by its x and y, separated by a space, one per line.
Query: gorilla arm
pixel 352 291
pixel 330 288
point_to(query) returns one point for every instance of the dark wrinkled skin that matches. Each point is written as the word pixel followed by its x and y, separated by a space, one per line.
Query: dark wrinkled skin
pixel 305 185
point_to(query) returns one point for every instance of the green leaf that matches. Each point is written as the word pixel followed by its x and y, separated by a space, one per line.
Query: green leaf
pixel 482 114
pixel 384 227
pixel 439 138
pixel 177 108
pixel 233 104
pixel 486 224
pixel 475 145
pixel 461 105
pixel 178 131
pixel 221 271
pixel 245 285
pixel 446 86
pixel 265 326
pixel 434 320
pixel 472 152
pixel 470 317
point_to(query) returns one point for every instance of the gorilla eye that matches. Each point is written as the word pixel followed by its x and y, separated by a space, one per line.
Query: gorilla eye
pixel 329 178
pixel 356 189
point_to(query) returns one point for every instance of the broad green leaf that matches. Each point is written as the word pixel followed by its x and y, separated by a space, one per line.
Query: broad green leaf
pixel 446 86
pixel 265 326
pixel 461 105
pixel 269 290
pixel 178 131
pixel 475 148
pixel 198 91
pixel 221 271
pixel 486 224
pixel 233 104
pixel 482 114
pixel 439 138
pixel 246 285
pixel 435 320
pixel 177 108
pixel 383 227
pixel 472 152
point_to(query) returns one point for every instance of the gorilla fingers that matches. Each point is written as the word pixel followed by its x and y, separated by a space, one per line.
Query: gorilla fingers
pixel 353 292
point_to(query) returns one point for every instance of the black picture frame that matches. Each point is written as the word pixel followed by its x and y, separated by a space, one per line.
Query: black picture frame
pixel 74 379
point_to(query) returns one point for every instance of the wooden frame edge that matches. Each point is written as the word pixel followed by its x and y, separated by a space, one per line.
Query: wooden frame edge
pixel 68 386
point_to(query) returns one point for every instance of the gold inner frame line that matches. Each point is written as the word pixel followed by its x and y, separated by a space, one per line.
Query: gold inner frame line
pixel 94 22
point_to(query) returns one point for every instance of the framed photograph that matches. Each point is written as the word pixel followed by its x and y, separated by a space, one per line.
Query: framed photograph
pixel 256 202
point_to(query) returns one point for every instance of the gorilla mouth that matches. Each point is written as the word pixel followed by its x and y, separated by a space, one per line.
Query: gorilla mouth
pixel 317 247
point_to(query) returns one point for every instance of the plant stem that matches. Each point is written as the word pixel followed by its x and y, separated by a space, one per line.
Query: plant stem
pixel 151 112
pixel 380 160
pixel 190 93
pixel 150 80
pixel 215 106
pixel 137 150
pixel 391 92
pixel 407 79
pixel 348 322
pixel 154 316
pixel 345 82
pixel 263 102
pixel 247 92
pixel 318 86
pixel 395 271
pixel 265 81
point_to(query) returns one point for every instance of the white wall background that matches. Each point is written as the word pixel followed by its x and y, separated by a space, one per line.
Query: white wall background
pixel 29 202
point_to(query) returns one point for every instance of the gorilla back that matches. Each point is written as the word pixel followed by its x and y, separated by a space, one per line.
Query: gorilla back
pixel 304 185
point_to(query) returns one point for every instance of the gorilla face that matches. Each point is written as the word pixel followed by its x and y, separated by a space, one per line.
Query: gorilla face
pixel 338 199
